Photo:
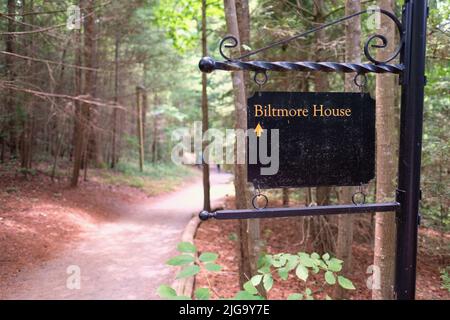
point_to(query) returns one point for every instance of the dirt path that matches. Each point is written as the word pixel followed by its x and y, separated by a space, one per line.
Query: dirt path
pixel 123 259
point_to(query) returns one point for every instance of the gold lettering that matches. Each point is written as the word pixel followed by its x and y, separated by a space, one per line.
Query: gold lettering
pixel 316 111
pixel 258 110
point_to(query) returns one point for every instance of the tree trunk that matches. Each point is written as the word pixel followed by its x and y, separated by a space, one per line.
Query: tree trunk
pixel 319 225
pixel 140 128
pixel 27 123
pixel 79 125
pixel 116 102
pixel 11 75
pixel 345 222
pixel 386 168
pixel 155 133
pixel 246 267
pixel 88 88
pixel 285 197
pixel 205 120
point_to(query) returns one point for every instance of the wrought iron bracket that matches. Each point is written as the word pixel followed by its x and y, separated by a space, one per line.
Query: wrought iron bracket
pixel 298 212
pixel 208 64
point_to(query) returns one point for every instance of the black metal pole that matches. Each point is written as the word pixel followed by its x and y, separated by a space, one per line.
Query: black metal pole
pixel 413 82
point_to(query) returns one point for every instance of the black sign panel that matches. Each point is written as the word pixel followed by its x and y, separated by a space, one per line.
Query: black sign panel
pixel 325 139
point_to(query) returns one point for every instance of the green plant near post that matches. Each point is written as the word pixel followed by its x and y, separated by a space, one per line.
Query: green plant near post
pixel 301 265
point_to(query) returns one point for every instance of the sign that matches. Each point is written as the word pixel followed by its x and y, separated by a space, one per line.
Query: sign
pixel 324 139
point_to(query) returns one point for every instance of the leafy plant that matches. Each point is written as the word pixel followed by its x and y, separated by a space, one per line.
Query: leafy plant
pixel 445 277
pixel 191 265
pixel 301 265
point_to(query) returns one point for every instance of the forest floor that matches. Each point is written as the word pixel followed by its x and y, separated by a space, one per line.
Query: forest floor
pixel 116 235
pixel 283 236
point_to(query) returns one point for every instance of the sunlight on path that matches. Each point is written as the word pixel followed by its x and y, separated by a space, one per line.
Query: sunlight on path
pixel 123 259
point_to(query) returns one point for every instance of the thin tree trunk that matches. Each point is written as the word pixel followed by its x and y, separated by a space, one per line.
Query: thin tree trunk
pixel 321 240
pixel 83 131
pixel 116 102
pixel 26 134
pixel 10 98
pixel 155 133
pixel 385 232
pixel 251 227
pixel 205 120
pixel 240 172
pixel 79 126
pixel 285 197
pixel 140 132
pixel 345 222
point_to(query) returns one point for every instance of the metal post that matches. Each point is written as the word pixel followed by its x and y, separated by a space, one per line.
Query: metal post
pixel 413 82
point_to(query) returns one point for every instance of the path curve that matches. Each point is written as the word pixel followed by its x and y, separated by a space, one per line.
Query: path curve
pixel 123 259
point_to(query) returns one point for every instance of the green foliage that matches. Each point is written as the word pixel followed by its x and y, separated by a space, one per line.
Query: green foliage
pixel 301 264
pixel 166 292
pixel 181 260
pixel 445 278
pixel 188 271
pixel 208 257
pixel 202 294
pixel 186 247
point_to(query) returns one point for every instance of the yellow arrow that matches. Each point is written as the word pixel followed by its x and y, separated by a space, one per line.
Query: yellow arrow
pixel 259 130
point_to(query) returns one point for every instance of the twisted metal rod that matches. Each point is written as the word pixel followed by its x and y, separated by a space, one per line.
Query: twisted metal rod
pixel 208 64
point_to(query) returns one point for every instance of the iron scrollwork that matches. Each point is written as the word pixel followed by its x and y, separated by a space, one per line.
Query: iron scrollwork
pixel 208 64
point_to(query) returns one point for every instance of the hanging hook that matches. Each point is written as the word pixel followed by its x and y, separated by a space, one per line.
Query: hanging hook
pixel 359 197
pixel 360 81
pixel 259 195
pixel 261 78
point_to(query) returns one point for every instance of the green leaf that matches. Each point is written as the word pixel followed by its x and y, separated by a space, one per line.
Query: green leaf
pixel 233 236
pixel 301 272
pixel 186 247
pixel 315 269
pixel 295 296
pixel 268 282
pixel 208 257
pixel 278 263
pixel 330 278
pixel 256 280
pixel 283 273
pixel 244 295
pixel 189 271
pixel 264 270
pixel 315 256
pixel 306 260
pixel 202 294
pixel 166 292
pixel 345 283
pixel 213 267
pixel 335 265
pixel 292 262
pixel 250 288
pixel 180 260
pixel 182 298
pixel 326 256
